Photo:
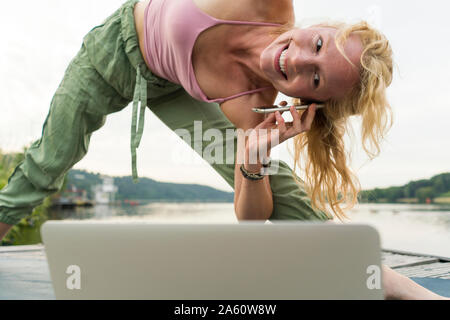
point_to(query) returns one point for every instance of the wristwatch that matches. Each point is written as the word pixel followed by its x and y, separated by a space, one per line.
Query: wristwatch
pixel 249 175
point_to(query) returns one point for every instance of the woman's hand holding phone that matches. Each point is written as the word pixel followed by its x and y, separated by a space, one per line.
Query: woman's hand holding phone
pixel 273 131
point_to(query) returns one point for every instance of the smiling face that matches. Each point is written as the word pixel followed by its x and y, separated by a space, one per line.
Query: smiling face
pixel 306 63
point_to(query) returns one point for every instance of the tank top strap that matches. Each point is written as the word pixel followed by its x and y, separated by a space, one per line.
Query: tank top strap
pixel 221 100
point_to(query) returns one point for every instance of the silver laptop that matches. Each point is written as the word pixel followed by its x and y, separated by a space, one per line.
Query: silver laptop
pixel 246 261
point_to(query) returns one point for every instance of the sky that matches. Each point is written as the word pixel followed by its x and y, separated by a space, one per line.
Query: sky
pixel 39 38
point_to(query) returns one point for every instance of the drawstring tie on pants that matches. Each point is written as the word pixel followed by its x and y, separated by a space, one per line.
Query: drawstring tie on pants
pixel 140 95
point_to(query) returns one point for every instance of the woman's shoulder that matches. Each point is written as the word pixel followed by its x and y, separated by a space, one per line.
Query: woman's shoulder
pixel 275 11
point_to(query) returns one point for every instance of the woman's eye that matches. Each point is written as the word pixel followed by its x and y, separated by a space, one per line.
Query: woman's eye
pixel 319 44
pixel 316 80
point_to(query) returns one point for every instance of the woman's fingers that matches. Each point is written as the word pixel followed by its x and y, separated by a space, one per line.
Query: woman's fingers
pixel 308 119
pixel 279 131
pixel 281 122
pixel 299 124
pixel 268 122
pixel 296 123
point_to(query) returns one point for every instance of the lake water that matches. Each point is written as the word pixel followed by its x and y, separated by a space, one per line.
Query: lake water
pixel 415 228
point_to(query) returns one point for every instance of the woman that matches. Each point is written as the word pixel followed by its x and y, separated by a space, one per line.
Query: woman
pixel 249 53
pixel 239 57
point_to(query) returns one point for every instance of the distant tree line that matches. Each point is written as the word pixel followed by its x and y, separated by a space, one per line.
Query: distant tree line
pixel 437 186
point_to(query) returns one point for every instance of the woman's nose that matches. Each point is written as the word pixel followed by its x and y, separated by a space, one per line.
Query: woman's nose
pixel 302 58
pixel 302 61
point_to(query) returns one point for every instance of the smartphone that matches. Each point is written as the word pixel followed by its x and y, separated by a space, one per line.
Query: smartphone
pixel 272 109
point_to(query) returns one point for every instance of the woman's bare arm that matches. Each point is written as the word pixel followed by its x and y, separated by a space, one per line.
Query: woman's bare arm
pixel 399 287
pixel 256 202
pixel 253 199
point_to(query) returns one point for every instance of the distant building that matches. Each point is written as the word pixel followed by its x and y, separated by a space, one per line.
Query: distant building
pixel 71 197
pixel 105 193
pixel 79 176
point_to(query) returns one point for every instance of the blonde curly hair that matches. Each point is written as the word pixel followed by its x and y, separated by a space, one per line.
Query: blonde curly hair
pixel 328 177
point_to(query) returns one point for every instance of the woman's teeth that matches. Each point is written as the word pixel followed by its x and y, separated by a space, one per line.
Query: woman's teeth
pixel 282 62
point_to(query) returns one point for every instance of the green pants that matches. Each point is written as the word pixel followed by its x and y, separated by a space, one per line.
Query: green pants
pixel 104 77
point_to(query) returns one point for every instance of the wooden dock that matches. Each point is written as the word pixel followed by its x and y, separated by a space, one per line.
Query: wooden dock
pixel 415 265
pixel 24 271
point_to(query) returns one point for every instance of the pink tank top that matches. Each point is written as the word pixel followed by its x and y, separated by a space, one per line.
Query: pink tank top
pixel 171 28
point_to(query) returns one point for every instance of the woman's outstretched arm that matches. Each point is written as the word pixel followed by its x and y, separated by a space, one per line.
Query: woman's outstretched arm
pixel 399 287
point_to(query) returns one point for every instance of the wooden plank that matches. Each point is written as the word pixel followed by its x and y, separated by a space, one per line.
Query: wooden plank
pixel 434 270
pixel 395 261
pixel 408 253
pixel 416 265
pixel 6 249
pixel 25 275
